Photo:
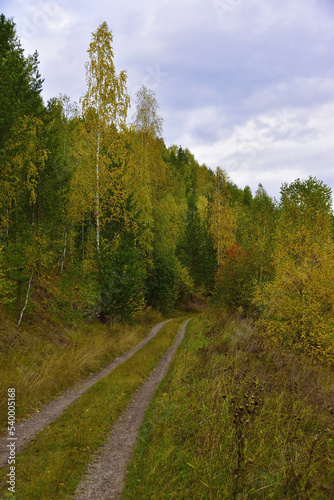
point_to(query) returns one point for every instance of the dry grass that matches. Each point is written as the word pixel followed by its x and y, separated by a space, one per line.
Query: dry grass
pixel 41 360
pixel 53 463
pixel 237 418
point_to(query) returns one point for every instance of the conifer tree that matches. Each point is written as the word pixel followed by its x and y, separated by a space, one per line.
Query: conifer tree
pixel 20 82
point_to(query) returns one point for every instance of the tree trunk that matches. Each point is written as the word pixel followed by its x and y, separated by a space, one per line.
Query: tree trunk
pixel 26 301
pixel 98 191
pixel 64 252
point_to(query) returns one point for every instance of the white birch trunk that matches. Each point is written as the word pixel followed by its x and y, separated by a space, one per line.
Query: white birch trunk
pixel 64 252
pixel 26 301
pixel 98 191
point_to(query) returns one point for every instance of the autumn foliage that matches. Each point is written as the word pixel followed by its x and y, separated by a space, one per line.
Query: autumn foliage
pixel 281 270
pixel 297 306
pixel 234 278
pixel 99 218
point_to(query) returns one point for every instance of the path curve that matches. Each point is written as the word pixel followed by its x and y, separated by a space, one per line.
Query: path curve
pixel 104 478
pixel 27 429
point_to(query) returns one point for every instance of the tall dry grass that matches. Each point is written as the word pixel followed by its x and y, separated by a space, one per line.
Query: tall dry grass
pixel 237 418
pixel 52 464
pixel 41 361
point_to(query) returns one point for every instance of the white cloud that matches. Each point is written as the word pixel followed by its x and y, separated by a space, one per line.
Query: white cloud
pixel 275 147
pixel 244 84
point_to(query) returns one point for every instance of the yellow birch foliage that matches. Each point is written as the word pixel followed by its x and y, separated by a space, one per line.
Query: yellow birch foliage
pixel 23 159
pixel 146 173
pixel 137 181
pixel 104 105
pixel 111 188
pixel 138 175
pixel 222 219
pixel 202 207
pixel 148 125
pixel 298 305
pixel 83 183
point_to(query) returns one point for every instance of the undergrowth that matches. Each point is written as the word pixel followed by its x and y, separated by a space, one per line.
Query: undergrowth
pixel 237 418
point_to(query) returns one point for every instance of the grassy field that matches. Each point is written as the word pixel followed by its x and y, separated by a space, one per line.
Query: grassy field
pixel 236 418
pixel 53 464
pixel 42 359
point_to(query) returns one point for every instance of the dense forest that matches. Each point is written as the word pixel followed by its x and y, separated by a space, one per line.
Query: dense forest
pixel 98 217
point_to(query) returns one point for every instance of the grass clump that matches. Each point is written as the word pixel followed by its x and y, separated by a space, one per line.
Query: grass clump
pixel 53 464
pixel 237 418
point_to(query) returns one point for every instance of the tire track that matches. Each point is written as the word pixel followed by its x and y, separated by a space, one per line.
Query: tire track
pixel 27 430
pixel 104 478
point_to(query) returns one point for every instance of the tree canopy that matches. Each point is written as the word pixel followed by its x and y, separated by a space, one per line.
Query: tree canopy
pixel 98 217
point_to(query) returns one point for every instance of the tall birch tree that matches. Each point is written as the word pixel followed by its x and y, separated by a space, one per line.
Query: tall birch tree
pixel 222 219
pixel 105 103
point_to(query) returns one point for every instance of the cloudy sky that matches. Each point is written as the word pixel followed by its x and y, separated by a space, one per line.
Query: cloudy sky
pixel 247 85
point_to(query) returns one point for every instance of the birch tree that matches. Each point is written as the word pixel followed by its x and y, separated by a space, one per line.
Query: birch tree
pixel 21 168
pixel 145 170
pixel 297 306
pixel 147 120
pixel 148 125
pixel 105 103
pixel 222 219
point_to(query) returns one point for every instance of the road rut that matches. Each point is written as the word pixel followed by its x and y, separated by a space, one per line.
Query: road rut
pixel 27 430
pixel 104 477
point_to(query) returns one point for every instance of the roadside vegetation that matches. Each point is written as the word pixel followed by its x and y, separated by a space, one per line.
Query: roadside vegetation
pixel 52 465
pixel 236 417
pixel 44 358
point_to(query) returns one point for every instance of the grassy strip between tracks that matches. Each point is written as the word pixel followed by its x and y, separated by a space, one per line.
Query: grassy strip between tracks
pixel 52 465
pixel 236 418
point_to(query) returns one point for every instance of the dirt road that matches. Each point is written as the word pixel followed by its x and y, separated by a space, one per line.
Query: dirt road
pixel 27 430
pixel 104 478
